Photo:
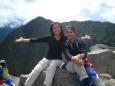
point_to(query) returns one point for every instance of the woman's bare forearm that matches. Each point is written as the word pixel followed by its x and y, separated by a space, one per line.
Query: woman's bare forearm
pixel 21 39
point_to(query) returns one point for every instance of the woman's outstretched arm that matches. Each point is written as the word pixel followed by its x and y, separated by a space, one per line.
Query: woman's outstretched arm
pixel 21 39
pixel 43 39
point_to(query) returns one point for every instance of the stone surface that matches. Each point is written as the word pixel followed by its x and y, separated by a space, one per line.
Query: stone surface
pixel 62 78
pixel 104 61
pixel 101 46
pixel 98 47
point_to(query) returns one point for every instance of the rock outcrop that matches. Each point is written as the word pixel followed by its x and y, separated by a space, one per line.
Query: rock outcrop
pixel 100 46
pixel 64 78
pixel 104 59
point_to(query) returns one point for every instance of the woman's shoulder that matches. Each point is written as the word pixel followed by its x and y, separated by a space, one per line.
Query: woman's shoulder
pixel 80 41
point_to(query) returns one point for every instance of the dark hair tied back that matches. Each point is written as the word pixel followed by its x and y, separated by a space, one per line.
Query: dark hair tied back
pixel 70 27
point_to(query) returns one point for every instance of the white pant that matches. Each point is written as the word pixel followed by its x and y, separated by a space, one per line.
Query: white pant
pixel 80 69
pixel 51 66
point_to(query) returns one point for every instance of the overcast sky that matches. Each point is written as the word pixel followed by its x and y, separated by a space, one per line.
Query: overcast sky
pixel 56 10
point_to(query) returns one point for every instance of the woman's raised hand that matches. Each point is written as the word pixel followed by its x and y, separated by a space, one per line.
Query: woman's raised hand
pixel 86 38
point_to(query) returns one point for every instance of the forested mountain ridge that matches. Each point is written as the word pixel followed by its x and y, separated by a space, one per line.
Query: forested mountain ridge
pixel 22 57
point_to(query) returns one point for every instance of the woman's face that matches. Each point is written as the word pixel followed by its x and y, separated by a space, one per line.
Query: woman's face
pixel 56 29
pixel 70 34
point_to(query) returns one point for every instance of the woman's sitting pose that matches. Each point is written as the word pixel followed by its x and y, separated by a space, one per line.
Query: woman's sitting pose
pixel 53 59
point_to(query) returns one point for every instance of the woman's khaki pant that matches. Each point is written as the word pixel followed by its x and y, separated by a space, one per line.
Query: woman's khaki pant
pixel 51 66
pixel 80 69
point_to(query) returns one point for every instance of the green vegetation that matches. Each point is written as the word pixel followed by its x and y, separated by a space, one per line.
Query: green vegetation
pixel 22 57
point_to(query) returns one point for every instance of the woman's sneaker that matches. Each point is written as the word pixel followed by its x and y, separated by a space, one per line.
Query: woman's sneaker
pixel 86 82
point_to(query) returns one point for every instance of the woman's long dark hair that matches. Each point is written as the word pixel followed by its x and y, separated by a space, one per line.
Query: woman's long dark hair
pixel 51 28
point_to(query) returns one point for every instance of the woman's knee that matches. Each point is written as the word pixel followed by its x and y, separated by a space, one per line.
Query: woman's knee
pixel 51 68
pixel 56 63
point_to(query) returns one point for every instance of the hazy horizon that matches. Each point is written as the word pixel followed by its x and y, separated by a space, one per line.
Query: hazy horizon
pixel 22 11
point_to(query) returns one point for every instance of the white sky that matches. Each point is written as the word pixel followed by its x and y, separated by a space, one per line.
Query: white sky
pixel 56 10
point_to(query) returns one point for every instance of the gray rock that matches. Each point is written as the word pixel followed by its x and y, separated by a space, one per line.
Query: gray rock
pixel 98 47
pixel 101 46
pixel 104 61
pixel 62 78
